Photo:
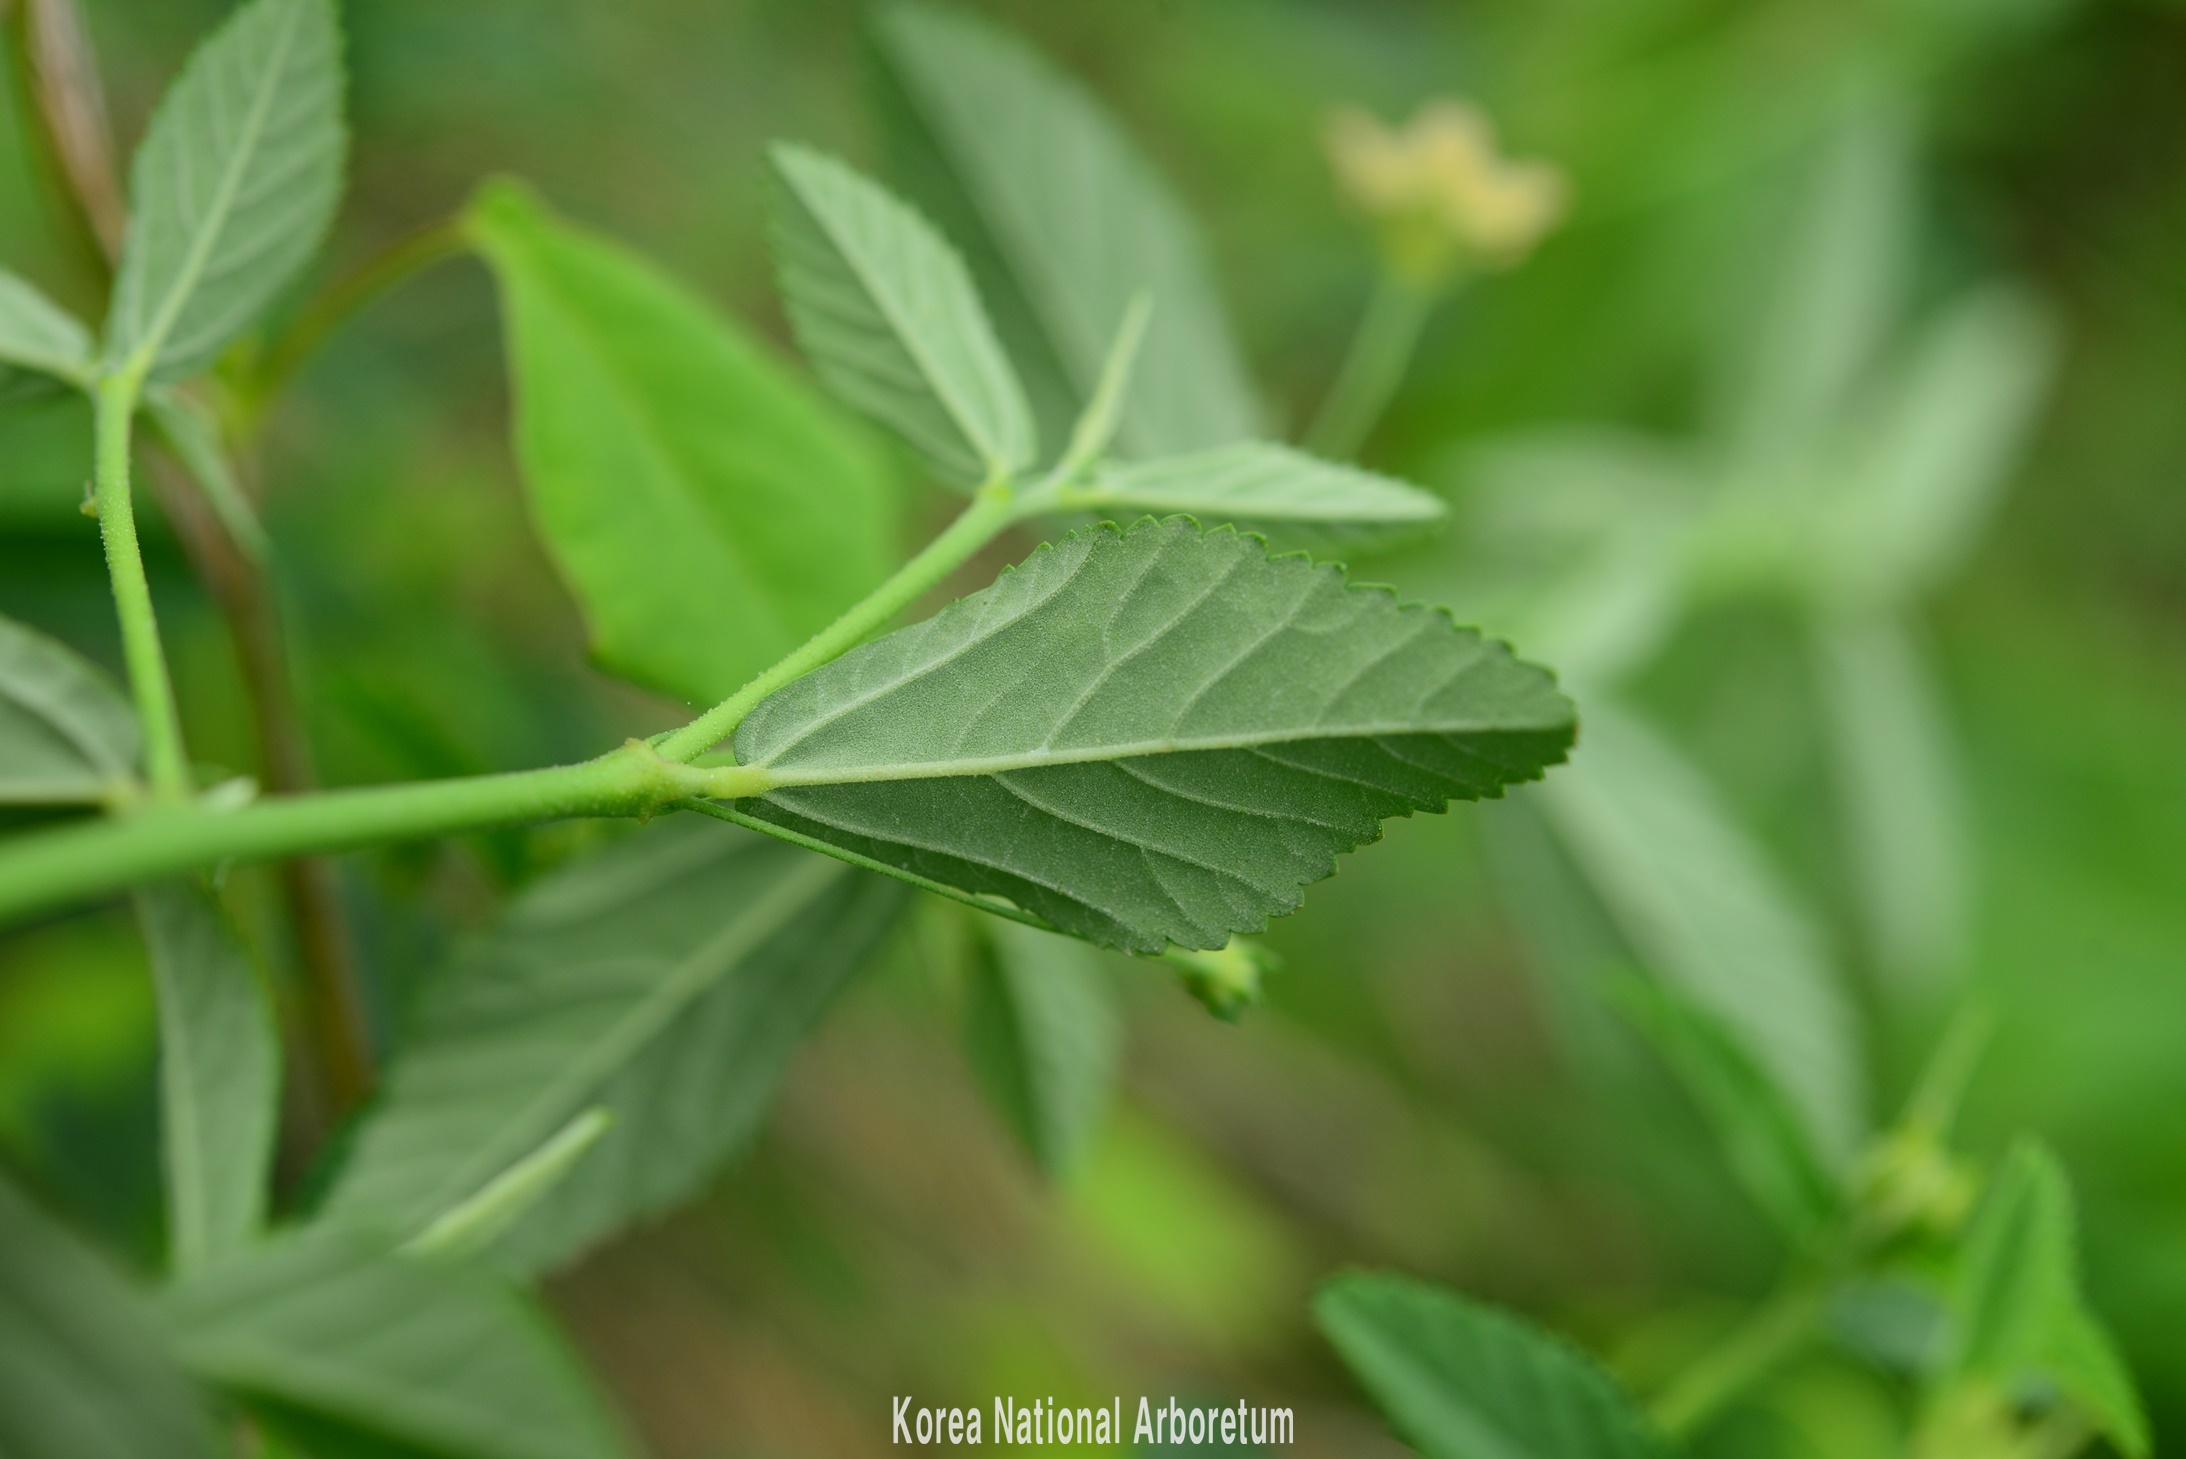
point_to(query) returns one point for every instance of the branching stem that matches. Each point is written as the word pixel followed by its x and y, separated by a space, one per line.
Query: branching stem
pixel 1754 1349
pixel 115 400
pixel 75 862
pixel 994 507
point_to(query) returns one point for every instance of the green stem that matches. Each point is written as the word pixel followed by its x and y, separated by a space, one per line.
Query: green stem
pixel 410 254
pixel 115 403
pixel 1753 1351
pixel 97 857
pixel 1373 368
pixel 994 507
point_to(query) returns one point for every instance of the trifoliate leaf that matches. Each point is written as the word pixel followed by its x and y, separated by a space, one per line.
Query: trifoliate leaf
pixel 233 187
pixel 1147 736
pixel 886 311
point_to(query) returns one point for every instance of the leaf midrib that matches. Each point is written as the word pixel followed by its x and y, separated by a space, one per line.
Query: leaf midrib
pixel 215 221
pixel 1126 750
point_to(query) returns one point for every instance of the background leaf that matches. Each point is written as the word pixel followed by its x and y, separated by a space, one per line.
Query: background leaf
pixel 1898 780
pixel 38 334
pixel 219 1076
pixel 1149 736
pixel 439 1356
pixel 66 734
pixel 706 510
pixel 233 186
pixel 2018 1305
pixel 886 311
pixel 1763 1138
pixel 1067 223
pixel 1263 487
pixel 666 979
pixel 1462 1381
pixel 1702 907
pixel 83 1372
pixel 1044 1035
pixel 1933 450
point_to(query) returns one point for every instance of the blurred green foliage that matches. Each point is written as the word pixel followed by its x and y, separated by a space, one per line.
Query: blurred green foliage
pixel 1428 1085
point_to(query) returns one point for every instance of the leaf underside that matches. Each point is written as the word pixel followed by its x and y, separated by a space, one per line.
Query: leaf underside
pixel 66 734
pixel 219 1071
pixel 1296 498
pixel 236 181
pixel 667 979
pixel 83 1371
pixel 886 311
pixel 437 1356
pixel 37 334
pixel 1044 1034
pixel 1149 736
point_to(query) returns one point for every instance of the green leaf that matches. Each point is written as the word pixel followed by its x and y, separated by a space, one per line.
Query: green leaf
pixel 1147 736
pixel 1763 1139
pixel 1066 223
pixel 38 334
pixel 219 1076
pixel 1934 450
pixel 1703 908
pixel 2018 1304
pixel 234 185
pixel 886 311
pixel 709 513
pixel 1898 783
pixel 1044 1034
pixel 1266 488
pixel 1463 1381
pixel 486 1217
pixel 667 979
pixel 436 1355
pixel 1839 286
pixel 66 735
pixel 83 1373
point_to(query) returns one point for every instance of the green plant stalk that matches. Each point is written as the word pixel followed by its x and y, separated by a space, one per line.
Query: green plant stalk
pixel 407 256
pixel 1753 1350
pixel 994 506
pixel 102 856
pixel 1380 353
pixel 115 402
pixel 54 867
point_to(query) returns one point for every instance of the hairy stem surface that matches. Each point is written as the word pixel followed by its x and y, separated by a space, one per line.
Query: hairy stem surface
pixel 99 857
pixel 165 765
pixel 994 507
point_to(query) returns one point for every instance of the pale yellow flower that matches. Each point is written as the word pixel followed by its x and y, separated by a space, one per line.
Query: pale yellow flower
pixel 1440 191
